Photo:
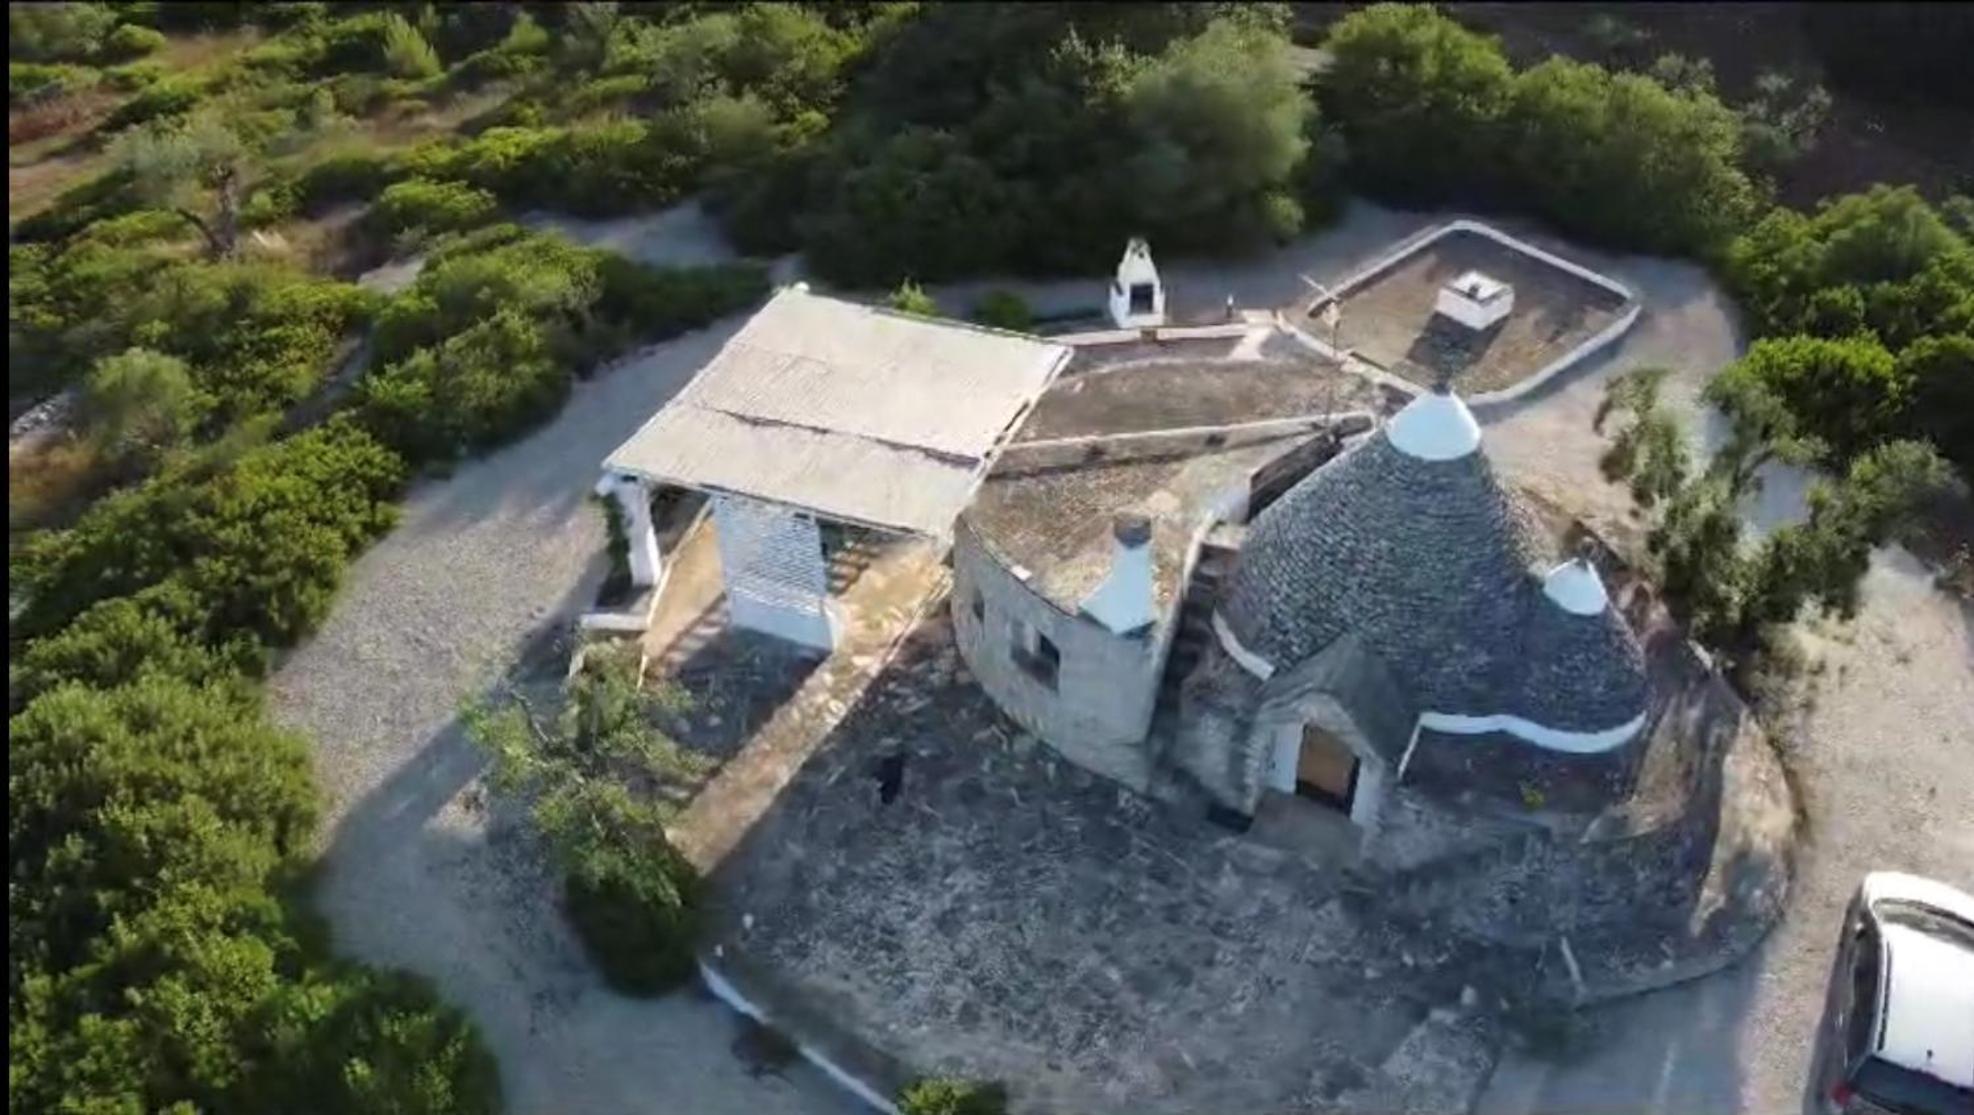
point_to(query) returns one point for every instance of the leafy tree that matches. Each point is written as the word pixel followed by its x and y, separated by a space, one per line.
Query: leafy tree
pixel 1648 451
pixel 910 298
pixel 1939 373
pixel 1782 121
pixel 1847 392
pixel 116 641
pixel 920 196
pixel 631 896
pixel 472 390
pixel 1223 126
pixel 1619 158
pixel 1417 99
pixel 141 404
pixel 198 169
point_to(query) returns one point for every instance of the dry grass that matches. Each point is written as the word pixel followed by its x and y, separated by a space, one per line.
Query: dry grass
pixel 49 480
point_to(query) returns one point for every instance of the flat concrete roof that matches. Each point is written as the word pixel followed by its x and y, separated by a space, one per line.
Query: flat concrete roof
pixel 1048 504
pixel 849 411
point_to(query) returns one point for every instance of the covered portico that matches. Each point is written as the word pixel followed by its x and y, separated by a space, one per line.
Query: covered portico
pixel 824 409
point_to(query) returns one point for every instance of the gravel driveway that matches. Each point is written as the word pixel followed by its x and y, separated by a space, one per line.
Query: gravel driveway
pixel 414 872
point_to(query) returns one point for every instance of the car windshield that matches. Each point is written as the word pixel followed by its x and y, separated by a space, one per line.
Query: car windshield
pixel 1905 1092
pixel 1927 920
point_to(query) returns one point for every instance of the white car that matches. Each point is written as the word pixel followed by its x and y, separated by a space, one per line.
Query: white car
pixel 1901 1034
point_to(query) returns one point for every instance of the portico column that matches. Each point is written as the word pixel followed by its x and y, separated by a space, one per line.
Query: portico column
pixel 634 502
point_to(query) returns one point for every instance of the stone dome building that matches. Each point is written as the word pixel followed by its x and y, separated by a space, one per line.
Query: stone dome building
pixel 1391 612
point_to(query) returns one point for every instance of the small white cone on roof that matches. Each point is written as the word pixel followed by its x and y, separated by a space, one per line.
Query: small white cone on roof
pixel 1575 587
pixel 1434 427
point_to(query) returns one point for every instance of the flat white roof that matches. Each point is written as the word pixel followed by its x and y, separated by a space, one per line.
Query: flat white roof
pixel 1929 1008
pixel 848 411
pixel 1477 287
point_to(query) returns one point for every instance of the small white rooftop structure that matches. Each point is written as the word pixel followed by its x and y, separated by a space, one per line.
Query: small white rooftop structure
pixel 855 413
pixel 1575 587
pixel 1434 427
pixel 1475 300
pixel 1137 298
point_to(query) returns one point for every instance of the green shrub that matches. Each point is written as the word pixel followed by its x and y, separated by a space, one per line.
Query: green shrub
pixel 663 302
pixel 634 912
pixel 910 298
pixel 431 207
pixel 631 897
pixel 473 390
pixel 34 83
pixel 1940 373
pixel 135 76
pixel 171 96
pixel 119 640
pixel 406 53
pixel 1004 309
pixel 1847 392
pixel 130 41
pixel 951 1096
pixel 58 32
pixel 140 405
pixel 352 176
pixel 260 544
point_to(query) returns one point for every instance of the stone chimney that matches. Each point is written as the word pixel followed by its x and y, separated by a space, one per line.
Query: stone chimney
pixel 1123 602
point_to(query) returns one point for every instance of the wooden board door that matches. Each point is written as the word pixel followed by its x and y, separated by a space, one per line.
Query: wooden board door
pixel 1325 769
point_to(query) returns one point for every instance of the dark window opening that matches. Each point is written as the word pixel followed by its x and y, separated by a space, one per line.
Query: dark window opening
pixel 1141 298
pixel 1036 654
pixel 979 607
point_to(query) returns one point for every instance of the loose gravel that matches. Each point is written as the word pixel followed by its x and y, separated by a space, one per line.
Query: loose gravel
pixel 417 872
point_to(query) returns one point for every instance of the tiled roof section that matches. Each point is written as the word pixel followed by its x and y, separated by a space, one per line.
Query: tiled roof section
pixel 1577 673
pixel 1430 563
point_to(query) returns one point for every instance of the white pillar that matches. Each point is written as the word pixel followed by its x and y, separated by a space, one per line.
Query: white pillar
pixel 634 503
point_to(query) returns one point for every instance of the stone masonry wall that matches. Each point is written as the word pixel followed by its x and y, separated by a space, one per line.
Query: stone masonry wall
pixel 1106 685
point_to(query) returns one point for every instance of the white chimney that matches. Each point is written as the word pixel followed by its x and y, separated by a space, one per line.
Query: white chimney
pixel 1137 298
pixel 1123 602
pixel 1575 587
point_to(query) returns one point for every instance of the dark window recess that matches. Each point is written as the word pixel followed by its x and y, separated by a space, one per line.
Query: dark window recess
pixel 1141 298
pixel 1036 654
pixel 979 607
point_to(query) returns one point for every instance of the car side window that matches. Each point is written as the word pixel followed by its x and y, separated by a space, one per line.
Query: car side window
pixel 1865 975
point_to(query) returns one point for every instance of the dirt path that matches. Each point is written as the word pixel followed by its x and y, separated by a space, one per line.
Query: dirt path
pixel 414 872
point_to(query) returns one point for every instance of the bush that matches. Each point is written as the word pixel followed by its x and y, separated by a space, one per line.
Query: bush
pixel 58 32
pixel 139 405
pixel 635 914
pixel 663 302
pixel 131 41
pixel 135 77
pixel 1004 309
pixel 631 897
pixel 260 544
pixel 353 176
pixel 169 97
pixel 35 83
pixel 1418 100
pixel 1939 372
pixel 910 298
pixel 476 389
pixel 431 207
pixel 951 1096
pixel 147 827
pixel 406 53
pixel 1431 112
pixel 1848 393
pixel 117 641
